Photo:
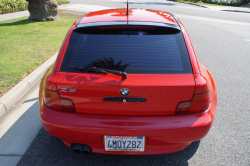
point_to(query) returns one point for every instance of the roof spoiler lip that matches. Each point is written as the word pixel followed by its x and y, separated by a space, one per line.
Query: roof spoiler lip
pixel 78 22
pixel 124 23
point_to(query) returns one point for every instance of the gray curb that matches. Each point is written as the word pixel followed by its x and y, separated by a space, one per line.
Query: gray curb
pixel 22 88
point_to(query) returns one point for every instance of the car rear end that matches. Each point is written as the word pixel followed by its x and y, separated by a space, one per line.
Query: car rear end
pixel 165 108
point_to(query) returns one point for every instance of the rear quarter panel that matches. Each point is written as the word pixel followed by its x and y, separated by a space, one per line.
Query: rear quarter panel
pixel 210 81
pixel 42 84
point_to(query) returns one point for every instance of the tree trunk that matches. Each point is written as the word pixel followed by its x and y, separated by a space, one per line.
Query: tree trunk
pixel 43 10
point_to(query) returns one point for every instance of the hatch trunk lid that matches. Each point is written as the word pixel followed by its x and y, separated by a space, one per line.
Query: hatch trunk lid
pixel 162 92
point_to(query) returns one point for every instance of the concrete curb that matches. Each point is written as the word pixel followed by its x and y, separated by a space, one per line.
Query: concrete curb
pixel 241 11
pixel 23 87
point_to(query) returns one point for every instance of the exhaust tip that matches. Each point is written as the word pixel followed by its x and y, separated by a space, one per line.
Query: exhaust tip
pixel 81 148
pixel 77 151
pixel 77 148
pixel 86 149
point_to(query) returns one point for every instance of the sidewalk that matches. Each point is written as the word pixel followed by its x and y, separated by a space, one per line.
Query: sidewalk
pixel 18 128
pixel 8 16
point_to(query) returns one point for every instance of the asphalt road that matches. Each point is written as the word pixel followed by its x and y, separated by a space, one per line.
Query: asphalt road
pixel 222 43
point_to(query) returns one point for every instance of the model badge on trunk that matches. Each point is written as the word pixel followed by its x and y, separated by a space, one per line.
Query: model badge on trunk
pixel 68 90
pixel 124 92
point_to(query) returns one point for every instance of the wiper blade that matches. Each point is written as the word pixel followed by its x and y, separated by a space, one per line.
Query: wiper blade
pixel 87 69
pixel 102 70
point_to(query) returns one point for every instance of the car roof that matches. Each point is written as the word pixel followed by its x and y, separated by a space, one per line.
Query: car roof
pixel 135 15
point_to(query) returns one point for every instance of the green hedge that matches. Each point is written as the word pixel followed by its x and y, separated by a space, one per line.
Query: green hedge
pixel 7 6
pixel 227 2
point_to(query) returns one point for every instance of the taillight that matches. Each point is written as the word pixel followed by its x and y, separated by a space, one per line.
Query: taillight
pixel 53 100
pixel 199 103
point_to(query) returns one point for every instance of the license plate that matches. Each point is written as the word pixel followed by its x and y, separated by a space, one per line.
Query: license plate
pixel 124 143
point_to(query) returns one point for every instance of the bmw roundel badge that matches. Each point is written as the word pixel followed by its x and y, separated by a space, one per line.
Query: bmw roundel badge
pixel 124 92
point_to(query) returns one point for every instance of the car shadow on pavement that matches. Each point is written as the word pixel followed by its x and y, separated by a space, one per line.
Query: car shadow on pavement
pixel 30 100
pixel 48 150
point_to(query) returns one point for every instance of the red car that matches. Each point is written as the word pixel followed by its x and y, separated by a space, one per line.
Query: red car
pixel 127 82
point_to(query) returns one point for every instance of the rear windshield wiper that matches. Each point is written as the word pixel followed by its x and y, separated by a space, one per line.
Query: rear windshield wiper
pixel 101 70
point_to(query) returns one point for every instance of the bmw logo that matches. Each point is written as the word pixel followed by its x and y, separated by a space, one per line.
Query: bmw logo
pixel 124 92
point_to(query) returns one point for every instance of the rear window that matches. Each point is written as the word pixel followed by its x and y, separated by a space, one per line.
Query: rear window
pixel 135 52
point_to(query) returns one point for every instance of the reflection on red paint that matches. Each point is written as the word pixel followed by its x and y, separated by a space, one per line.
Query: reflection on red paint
pixel 134 15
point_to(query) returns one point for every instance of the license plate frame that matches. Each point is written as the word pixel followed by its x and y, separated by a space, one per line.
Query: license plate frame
pixel 124 138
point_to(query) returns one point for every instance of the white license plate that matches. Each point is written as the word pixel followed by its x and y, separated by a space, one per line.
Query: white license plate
pixel 124 143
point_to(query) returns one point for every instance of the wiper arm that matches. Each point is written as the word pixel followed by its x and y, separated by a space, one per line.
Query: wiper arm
pixel 102 70
pixel 123 74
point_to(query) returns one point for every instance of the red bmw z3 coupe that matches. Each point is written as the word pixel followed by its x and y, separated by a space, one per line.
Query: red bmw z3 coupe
pixel 127 82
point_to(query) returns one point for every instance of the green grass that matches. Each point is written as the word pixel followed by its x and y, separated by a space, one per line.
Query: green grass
pixel 25 44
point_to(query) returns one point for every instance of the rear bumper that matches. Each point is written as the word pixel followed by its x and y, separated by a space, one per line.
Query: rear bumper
pixel 163 134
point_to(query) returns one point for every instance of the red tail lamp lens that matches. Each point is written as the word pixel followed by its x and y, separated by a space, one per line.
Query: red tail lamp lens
pixel 199 103
pixel 53 100
pixel 183 108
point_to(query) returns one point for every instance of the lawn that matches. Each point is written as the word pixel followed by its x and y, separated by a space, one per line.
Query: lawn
pixel 25 44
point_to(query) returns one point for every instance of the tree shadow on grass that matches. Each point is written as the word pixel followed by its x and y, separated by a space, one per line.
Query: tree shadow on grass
pixel 19 22
pixel 48 150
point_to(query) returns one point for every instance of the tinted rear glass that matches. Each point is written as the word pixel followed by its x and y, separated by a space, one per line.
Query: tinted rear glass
pixel 131 51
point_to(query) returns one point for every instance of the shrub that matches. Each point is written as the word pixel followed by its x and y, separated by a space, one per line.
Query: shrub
pixel 7 6
pixel 227 2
